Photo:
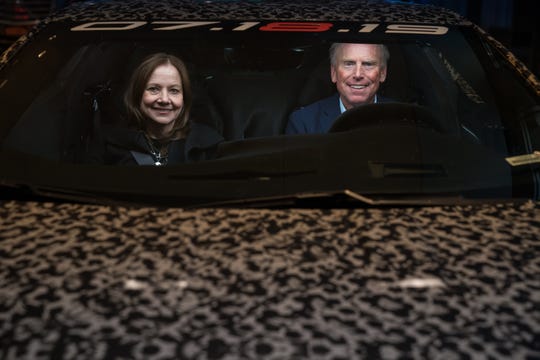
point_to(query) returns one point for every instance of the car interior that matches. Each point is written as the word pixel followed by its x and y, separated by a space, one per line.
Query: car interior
pixel 243 91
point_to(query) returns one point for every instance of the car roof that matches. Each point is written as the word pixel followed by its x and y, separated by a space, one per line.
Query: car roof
pixel 366 11
pixel 305 10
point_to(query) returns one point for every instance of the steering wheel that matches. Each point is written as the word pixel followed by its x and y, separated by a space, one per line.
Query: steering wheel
pixel 386 114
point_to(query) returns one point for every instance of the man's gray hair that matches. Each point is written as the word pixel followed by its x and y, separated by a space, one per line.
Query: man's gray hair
pixel 385 54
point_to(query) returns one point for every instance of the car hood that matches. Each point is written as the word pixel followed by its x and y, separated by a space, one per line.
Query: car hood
pixel 104 281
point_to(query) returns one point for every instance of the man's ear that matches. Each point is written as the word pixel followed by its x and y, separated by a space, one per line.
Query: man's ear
pixel 333 73
pixel 383 74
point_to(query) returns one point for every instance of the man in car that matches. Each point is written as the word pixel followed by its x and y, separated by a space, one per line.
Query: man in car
pixel 357 70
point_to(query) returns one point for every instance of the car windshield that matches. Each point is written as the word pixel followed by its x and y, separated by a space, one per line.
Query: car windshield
pixel 453 121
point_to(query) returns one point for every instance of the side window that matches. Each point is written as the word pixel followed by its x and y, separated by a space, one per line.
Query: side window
pixel 518 110
pixel 473 100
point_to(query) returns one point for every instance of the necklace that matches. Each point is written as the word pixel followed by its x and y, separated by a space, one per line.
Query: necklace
pixel 159 151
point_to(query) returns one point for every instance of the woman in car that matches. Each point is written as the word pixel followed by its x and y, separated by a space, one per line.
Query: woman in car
pixel 158 102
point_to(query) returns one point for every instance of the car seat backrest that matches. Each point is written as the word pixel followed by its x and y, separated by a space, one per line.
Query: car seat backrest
pixel 254 103
pixel 397 85
pixel 317 86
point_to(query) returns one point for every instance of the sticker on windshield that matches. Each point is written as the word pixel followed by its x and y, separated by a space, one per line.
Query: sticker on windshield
pixel 289 26
pixel 524 159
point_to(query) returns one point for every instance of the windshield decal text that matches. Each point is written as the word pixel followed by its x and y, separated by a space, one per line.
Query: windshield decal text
pixel 262 26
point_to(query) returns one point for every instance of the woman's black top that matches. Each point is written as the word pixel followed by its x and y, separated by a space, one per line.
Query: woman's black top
pixel 121 146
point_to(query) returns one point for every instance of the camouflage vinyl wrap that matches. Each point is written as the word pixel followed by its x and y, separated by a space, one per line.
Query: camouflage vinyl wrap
pixel 99 282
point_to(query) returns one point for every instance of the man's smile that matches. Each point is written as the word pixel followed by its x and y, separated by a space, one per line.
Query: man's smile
pixel 358 86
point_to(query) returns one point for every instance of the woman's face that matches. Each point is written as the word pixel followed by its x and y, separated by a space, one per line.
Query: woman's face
pixel 163 99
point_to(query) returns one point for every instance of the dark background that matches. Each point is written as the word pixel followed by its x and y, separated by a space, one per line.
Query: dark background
pixel 515 23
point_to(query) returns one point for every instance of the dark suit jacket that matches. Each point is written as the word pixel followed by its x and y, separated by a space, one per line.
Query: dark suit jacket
pixel 317 118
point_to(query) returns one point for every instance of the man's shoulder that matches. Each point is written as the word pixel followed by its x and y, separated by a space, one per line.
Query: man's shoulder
pixel 382 99
pixel 314 118
pixel 329 102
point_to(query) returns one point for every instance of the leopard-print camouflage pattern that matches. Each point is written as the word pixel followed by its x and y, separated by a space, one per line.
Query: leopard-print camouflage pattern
pixel 306 10
pixel 96 282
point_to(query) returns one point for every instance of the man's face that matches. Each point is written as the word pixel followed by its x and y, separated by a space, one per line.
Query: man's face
pixel 357 73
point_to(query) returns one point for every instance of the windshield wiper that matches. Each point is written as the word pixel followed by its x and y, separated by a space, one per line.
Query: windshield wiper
pixel 348 198
pixel 321 199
